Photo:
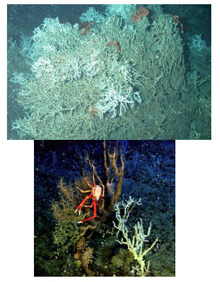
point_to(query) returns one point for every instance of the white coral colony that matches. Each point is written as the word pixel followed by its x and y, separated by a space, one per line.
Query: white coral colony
pixel 106 68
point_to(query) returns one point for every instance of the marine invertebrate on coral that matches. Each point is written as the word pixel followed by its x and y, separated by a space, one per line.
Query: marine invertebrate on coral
pixel 95 193
pixel 80 245
pixel 84 254
pixel 85 27
pixel 91 111
pixel 112 171
pixel 139 14
pixel 176 19
pixel 116 44
pixel 87 257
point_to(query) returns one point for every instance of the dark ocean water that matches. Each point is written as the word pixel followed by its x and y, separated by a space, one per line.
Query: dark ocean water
pixel 23 19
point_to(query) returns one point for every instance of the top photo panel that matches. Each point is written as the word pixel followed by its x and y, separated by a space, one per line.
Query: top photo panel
pixel 109 72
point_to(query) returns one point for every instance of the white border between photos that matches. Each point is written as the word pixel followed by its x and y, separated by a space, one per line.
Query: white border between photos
pixel 197 183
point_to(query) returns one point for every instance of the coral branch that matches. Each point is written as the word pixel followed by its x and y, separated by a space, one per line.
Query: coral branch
pixel 137 243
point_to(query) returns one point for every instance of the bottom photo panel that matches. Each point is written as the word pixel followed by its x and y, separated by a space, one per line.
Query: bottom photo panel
pixel 104 208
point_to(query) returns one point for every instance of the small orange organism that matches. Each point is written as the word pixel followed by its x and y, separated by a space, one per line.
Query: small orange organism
pixel 176 19
pixel 139 14
pixel 96 192
pixel 85 27
pixel 91 112
pixel 116 44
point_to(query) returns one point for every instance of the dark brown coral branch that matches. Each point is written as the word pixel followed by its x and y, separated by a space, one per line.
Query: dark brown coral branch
pixel 112 169
pixel 91 164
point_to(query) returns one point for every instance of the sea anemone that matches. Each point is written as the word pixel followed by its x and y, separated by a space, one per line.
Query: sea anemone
pixel 87 256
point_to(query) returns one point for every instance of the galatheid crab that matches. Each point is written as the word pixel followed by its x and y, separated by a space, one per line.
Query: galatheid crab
pixel 95 193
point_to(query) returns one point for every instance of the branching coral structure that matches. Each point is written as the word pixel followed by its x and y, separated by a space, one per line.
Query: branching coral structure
pixel 138 244
pixel 131 73
pixel 73 229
